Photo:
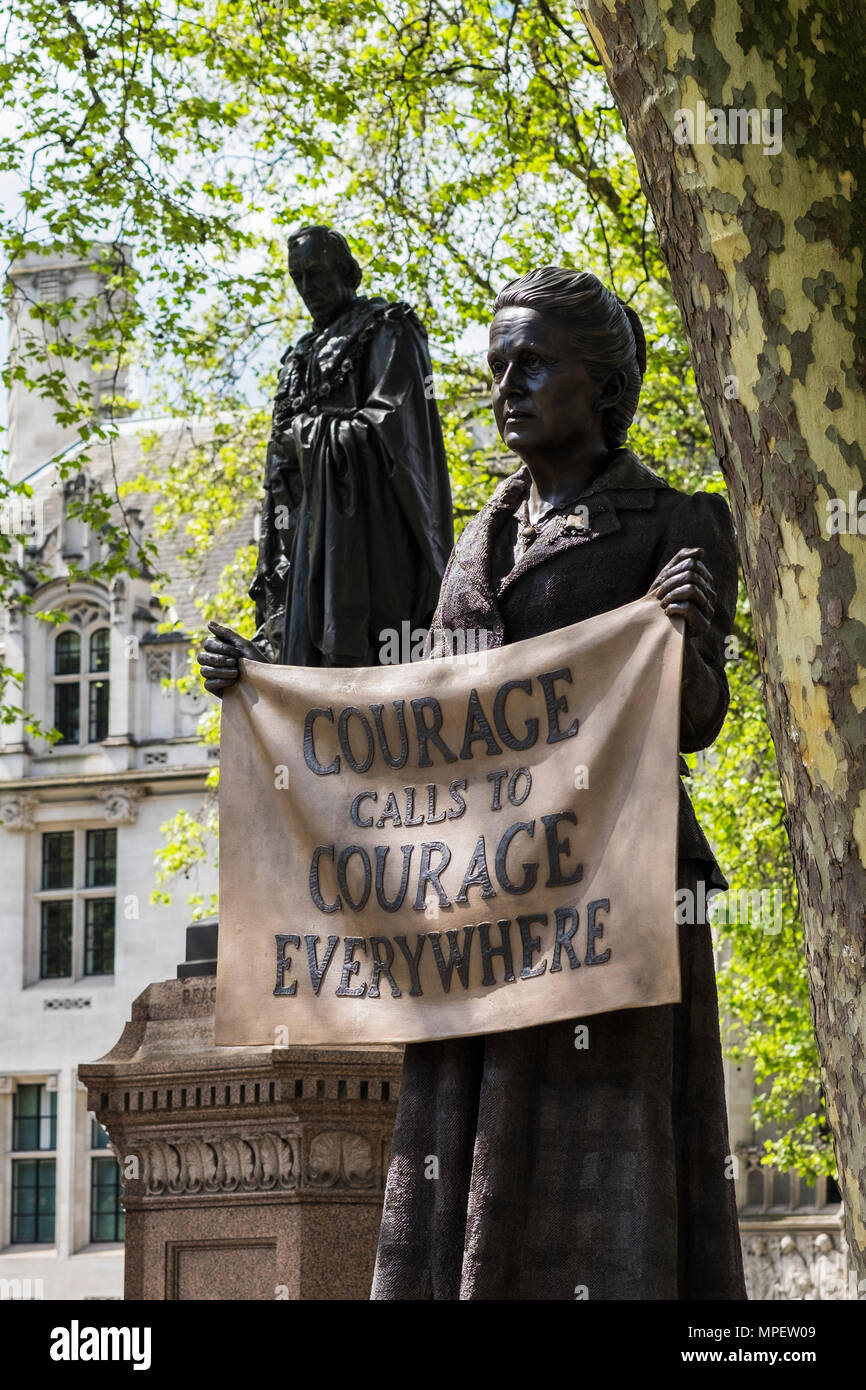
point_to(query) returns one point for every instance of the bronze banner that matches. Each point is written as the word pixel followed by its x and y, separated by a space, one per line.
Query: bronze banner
pixel 452 846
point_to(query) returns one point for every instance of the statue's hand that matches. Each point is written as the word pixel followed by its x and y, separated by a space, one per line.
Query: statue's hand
pixel 220 655
pixel 684 588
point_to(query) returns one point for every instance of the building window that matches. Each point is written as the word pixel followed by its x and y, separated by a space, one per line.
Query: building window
pixel 107 1219
pixel 98 1134
pixel 97 720
pixel 58 872
pixel 58 859
pixel 55 946
pixel 67 691
pixel 101 863
pixel 33 1183
pixel 770 1189
pixel 99 936
pixel 81 685
pixel 34 1118
pixel 77 908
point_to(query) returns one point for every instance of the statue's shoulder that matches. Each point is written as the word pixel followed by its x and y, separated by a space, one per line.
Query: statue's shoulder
pixel 357 317
pixel 395 314
pixel 362 319
pixel 301 348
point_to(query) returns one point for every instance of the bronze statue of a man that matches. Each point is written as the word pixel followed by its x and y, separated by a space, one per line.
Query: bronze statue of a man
pixel 356 521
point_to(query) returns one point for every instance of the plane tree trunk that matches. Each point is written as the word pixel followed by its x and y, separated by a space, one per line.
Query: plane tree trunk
pixel 765 251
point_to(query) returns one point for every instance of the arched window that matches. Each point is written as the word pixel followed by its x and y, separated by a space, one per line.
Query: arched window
pixel 81 685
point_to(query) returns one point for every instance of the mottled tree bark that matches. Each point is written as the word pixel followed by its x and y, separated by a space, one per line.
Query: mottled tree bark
pixel 765 252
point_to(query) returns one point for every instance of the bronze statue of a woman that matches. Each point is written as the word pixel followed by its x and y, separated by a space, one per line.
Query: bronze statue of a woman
pixel 600 1172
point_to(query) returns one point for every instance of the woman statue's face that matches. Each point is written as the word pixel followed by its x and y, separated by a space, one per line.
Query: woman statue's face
pixel 542 395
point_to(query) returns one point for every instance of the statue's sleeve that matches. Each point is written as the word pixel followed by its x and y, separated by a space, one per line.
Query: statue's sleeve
pixel 704 519
pixel 278 518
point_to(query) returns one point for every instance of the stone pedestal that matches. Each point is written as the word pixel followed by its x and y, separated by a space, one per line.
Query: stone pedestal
pixel 248 1173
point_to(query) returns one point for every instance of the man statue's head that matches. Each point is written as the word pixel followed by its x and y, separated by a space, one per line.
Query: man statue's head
pixel 325 273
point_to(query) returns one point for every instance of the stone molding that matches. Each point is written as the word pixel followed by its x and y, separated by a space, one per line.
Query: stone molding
pixel 185 1166
pixel 269 1161
pixel 242 1148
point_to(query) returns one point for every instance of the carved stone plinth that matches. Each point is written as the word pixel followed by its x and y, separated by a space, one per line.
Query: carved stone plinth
pixel 248 1173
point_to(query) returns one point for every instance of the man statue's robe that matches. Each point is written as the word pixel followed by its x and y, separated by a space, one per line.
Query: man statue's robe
pixel 356 522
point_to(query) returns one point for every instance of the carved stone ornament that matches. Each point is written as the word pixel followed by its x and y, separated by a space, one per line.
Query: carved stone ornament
pixel 83 613
pixel 16 812
pixel 121 804
pixel 795 1266
pixel 118 598
pixel 230 1163
pixel 158 664
pixel 750 1157
pixel 340 1159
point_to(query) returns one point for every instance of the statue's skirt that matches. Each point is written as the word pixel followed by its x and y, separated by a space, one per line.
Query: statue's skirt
pixel 525 1167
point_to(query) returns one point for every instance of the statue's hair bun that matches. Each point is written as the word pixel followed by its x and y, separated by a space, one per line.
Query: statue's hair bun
pixel 638 335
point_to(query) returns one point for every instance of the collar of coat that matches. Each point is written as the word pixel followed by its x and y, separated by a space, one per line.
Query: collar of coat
pixel 348 324
pixel 625 484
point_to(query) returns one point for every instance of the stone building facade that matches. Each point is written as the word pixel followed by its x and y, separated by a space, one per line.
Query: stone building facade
pixel 79 826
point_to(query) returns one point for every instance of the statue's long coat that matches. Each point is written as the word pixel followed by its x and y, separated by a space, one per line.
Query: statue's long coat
pixel 562 1172
pixel 356 521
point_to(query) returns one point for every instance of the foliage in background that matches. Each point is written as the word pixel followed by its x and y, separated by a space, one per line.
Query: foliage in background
pixel 457 144
pixel 763 985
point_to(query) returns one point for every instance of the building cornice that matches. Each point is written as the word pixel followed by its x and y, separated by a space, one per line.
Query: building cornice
pixel 91 781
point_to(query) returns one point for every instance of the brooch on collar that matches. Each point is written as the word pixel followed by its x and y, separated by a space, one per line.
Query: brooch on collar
pixel 528 534
pixel 574 524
